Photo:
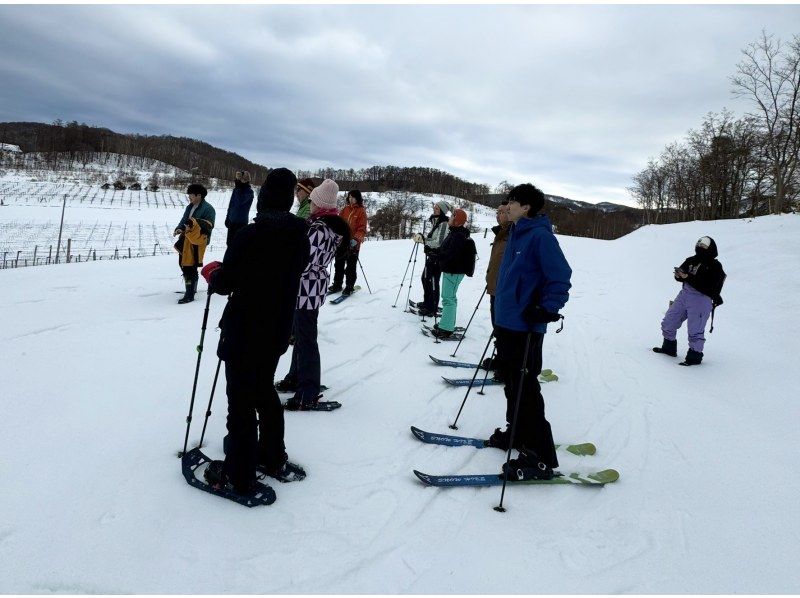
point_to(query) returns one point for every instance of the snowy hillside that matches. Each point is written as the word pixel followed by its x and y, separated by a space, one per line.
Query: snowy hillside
pixel 97 367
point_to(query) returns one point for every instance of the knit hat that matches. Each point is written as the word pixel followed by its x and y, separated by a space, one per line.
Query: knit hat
pixel 306 185
pixel 459 217
pixel 443 206
pixel 277 192
pixel 326 194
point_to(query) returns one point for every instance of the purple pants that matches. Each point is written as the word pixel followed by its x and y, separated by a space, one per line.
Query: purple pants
pixel 691 305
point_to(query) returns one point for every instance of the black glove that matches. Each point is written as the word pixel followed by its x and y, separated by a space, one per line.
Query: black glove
pixel 536 314
pixel 717 301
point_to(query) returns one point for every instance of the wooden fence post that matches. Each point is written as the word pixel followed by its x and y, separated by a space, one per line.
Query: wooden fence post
pixel 69 249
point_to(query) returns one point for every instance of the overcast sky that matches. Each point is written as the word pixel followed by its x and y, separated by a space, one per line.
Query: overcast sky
pixel 574 99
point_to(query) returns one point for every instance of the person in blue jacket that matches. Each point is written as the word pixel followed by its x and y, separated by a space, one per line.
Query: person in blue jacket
pixel 239 206
pixel 532 286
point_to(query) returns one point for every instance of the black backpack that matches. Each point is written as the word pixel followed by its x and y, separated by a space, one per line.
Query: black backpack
pixel 471 251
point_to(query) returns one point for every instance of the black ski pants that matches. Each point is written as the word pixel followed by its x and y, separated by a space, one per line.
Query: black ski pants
pixel 345 268
pixel 305 368
pixel 430 282
pixel 255 418
pixel 532 429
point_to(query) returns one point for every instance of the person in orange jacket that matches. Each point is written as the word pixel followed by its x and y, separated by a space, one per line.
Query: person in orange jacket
pixel 345 266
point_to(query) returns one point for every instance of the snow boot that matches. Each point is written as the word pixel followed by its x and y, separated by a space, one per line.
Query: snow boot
pixel 692 358
pixel 288 472
pixel 439 333
pixel 334 288
pixel 216 478
pixel 487 364
pixel 499 439
pixel 528 466
pixel 668 348
pixel 191 288
pixel 347 291
pixel 296 403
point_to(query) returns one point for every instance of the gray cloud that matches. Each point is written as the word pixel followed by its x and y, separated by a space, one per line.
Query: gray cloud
pixel 574 98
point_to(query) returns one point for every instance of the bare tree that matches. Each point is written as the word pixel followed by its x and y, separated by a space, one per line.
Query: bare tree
pixel 769 75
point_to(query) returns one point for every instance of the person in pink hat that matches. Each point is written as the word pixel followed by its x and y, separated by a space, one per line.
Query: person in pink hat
pixel 328 233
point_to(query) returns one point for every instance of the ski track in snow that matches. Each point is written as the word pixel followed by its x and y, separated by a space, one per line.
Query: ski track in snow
pixel 98 364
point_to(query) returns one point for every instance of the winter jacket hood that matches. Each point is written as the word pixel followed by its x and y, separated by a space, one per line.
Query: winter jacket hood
pixel 533 272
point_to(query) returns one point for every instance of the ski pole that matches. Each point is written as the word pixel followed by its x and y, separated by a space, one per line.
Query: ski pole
pixel 524 370
pixel 453 426
pixel 411 279
pixel 196 372
pixel 494 352
pixel 408 265
pixel 414 265
pixel 208 410
pixel 470 322
pixel 364 275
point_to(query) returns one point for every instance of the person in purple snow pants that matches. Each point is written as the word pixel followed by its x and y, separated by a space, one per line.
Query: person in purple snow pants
pixel 702 278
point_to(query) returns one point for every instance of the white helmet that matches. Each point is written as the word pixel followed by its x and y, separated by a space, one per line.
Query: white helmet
pixel 703 242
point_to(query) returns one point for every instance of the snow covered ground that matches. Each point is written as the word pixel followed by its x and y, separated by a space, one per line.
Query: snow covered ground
pixel 97 362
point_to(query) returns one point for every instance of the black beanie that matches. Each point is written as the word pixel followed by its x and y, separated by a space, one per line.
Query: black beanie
pixel 527 195
pixel 277 192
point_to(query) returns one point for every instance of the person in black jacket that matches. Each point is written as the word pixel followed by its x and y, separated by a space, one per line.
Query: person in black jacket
pixel 255 327
pixel 239 205
pixel 456 259
pixel 702 277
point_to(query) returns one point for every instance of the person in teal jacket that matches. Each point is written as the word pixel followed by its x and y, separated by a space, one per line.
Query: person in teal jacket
pixel 532 286
pixel 194 235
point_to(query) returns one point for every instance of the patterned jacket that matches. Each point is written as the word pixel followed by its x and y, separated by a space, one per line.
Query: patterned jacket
pixel 325 234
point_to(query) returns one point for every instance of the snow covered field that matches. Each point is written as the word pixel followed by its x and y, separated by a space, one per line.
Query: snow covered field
pixel 97 362
pixel 104 223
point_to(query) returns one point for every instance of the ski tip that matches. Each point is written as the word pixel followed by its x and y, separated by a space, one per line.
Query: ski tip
pixel 606 476
pixel 423 477
pixel 586 448
pixel 417 432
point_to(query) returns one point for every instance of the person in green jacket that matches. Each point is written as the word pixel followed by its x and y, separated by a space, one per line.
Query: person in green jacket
pixel 303 192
